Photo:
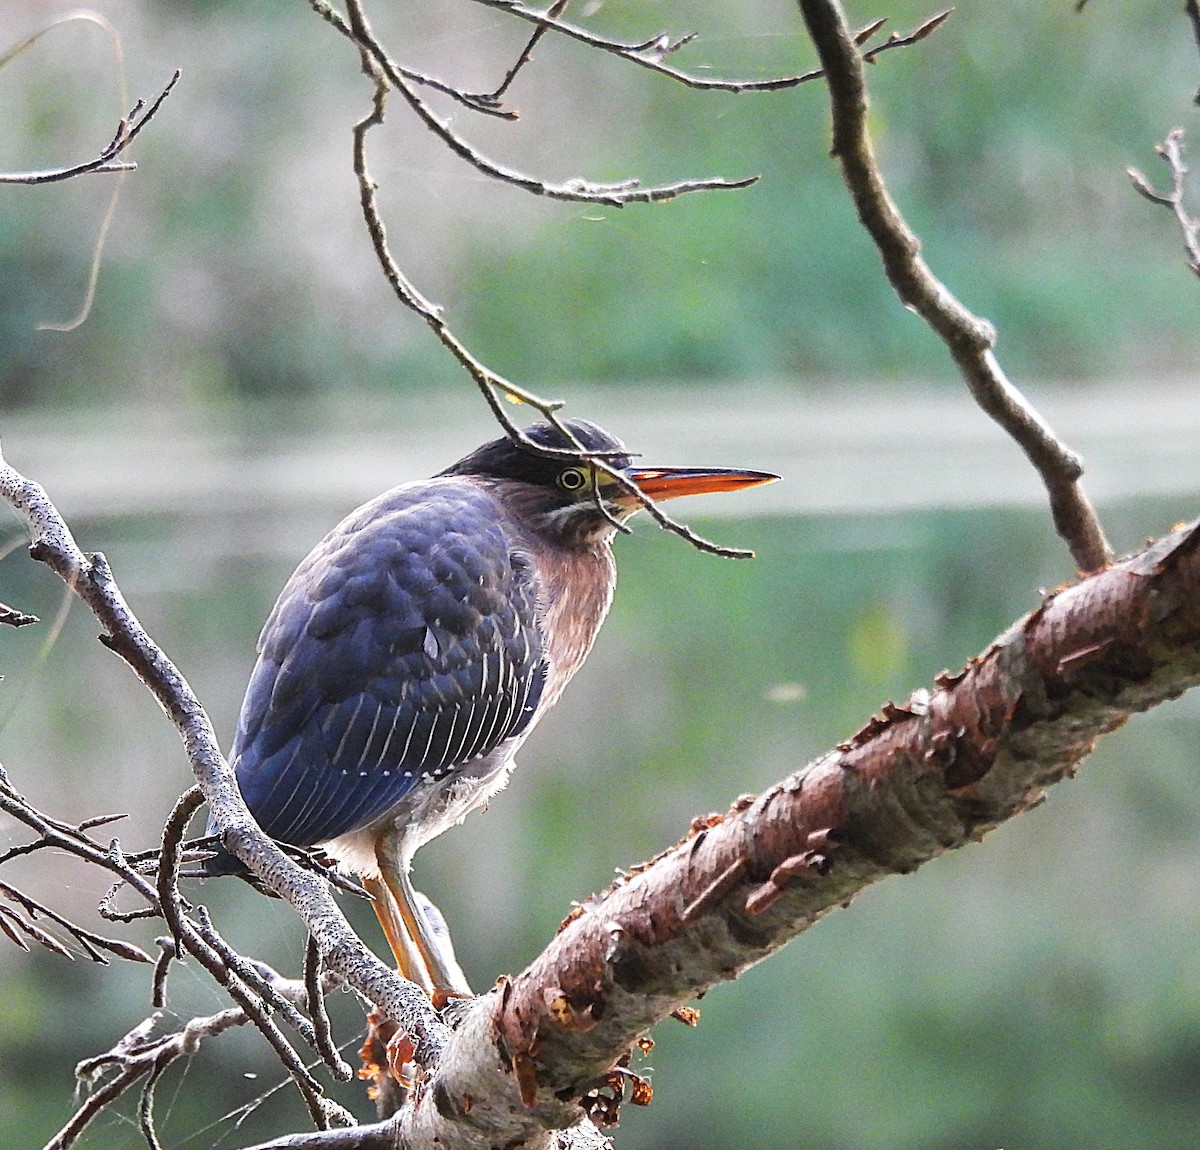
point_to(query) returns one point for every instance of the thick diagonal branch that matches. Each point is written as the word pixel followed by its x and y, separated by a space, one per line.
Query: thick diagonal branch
pixel 917 781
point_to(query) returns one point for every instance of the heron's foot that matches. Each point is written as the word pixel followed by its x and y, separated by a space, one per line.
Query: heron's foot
pixel 400 1054
pixel 388 1053
pixel 387 1057
pixel 442 998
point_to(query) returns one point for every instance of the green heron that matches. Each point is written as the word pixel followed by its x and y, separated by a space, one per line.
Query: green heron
pixel 415 649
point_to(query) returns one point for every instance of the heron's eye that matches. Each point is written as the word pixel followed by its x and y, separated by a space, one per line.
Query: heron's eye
pixel 572 479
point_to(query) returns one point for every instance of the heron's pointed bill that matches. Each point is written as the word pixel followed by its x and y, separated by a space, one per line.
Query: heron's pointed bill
pixel 671 482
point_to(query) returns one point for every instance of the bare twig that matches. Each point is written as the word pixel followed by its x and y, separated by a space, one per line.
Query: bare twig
pixel 107 907
pixel 168 951
pixel 11 617
pixel 251 973
pixel 968 338
pixel 650 53
pixel 493 387
pixel 578 190
pixel 125 1052
pixel 899 39
pixel 494 97
pixel 246 983
pixel 314 989
pixel 139 1055
pixel 63 836
pixel 121 169
pixel 127 131
pixel 1170 151
pixel 248 988
pixel 93 944
pixel 474 102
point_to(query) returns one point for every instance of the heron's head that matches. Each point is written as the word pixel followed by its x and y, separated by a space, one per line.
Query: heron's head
pixel 570 499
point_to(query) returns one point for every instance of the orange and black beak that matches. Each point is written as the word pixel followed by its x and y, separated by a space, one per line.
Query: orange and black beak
pixel 671 482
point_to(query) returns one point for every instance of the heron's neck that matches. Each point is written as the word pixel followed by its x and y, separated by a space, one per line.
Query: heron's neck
pixel 575 594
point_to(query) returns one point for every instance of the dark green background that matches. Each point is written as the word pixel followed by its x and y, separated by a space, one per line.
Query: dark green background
pixel 244 362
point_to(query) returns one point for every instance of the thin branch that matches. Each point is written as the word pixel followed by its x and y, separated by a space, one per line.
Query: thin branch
pixel 140 1055
pixel 494 97
pixel 1170 151
pixel 168 949
pixel 473 101
pixel 649 54
pixel 968 338
pixel 900 39
pixel 251 973
pixel 63 836
pixel 578 190
pixel 19 929
pixel 127 131
pixel 493 387
pixel 93 944
pixel 315 989
pixel 107 906
pixel 136 1056
pixel 247 988
pixel 146 1107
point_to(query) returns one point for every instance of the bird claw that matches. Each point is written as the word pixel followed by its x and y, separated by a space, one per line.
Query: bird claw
pixel 443 999
pixel 400 1054
pixel 387 1052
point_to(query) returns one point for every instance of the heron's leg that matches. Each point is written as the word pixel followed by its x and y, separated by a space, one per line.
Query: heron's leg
pixel 442 971
pixel 408 958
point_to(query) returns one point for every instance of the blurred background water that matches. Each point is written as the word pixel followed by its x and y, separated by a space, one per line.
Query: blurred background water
pixel 245 378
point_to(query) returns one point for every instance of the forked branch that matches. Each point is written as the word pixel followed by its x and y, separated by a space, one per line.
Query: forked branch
pixel 1170 151
pixel 107 161
pixel 967 337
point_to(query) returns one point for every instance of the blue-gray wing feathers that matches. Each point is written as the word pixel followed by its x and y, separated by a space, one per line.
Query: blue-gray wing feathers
pixel 405 645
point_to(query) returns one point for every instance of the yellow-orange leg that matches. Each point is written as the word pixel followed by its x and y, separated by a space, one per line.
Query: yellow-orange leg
pixel 408 959
pixel 419 955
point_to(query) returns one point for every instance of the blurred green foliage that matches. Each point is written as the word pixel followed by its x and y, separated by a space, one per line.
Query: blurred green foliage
pixel 1039 991
pixel 238 264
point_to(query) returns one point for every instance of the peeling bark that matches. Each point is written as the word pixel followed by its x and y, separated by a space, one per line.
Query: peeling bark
pixel 919 779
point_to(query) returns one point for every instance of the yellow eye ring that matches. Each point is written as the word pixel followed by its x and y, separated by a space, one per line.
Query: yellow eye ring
pixel 572 479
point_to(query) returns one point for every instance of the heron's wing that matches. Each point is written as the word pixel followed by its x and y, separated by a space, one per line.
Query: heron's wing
pixel 405 645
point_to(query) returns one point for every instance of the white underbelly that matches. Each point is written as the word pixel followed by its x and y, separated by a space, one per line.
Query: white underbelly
pixel 423 814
